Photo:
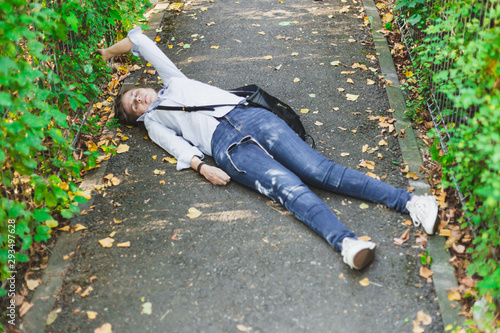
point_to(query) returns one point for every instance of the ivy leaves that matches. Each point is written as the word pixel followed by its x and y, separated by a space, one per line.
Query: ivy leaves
pixel 48 75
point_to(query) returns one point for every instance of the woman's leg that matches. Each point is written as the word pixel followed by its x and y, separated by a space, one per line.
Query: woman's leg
pixel 247 163
pixel 313 168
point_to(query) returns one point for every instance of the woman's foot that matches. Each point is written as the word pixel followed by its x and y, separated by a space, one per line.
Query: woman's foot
pixel 357 253
pixel 423 211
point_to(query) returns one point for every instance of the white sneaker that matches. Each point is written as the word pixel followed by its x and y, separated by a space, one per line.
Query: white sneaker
pixel 423 211
pixel 357 253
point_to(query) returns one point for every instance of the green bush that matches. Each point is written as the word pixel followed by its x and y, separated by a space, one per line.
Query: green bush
pixel 48 75
pixel 464 37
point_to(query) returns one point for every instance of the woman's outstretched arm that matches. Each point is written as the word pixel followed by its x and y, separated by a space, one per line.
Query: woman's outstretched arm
pixel 123 46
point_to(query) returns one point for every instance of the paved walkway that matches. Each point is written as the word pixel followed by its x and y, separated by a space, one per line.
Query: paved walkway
pixel 245 264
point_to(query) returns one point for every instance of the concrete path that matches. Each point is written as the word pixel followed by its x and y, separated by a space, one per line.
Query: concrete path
pixel 245 264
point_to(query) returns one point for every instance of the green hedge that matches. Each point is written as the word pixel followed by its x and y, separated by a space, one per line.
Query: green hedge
pixel 466 35
pixel 48 75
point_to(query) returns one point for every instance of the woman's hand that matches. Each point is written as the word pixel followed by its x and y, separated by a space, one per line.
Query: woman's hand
pixel 123 46
pixel 104 53
pixel 214 175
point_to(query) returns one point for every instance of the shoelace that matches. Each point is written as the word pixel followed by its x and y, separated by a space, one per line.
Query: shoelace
pixel 417 206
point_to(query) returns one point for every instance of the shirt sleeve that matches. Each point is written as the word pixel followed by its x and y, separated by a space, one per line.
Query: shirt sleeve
pixel 175 145
pixel 146 48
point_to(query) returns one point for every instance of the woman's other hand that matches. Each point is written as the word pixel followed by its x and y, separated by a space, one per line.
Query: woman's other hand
pixel 123 46
pixel 104 53
pixel 215 175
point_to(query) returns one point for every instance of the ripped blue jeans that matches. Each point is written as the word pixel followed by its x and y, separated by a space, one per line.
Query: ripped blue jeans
pixel 259 150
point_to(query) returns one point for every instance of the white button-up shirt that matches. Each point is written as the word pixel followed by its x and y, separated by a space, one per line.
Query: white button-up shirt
pixel 182 134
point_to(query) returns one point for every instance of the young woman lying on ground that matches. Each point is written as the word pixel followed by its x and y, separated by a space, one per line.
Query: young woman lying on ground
pixel 252 146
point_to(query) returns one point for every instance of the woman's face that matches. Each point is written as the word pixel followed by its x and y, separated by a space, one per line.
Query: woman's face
pixel 137 101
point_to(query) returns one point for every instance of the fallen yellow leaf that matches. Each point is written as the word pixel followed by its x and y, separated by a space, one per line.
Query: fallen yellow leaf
pixel 365 238
pixel 122 148
pixel 351 97
pixel 78 227
pixel 115 181
pixel 454 296
pixel 304 110
pixel 424 318
pixel 87 291
pixel 387 17
pixel 147 308
pixel 105 328
pixel 344 154
pixel 364 206
pixel 91 146
pixel 193 213
pixel 170 160
pixel 382 143
pixel 412 175
pixel 124 244
pixel 106 242
pixel 91 314
pixel 154 157
pixel 425 272
pixel 365 282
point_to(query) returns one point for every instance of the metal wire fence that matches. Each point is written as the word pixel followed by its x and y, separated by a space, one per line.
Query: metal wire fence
pixel 446 116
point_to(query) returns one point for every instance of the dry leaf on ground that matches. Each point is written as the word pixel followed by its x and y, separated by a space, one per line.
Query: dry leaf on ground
pixel 92 314
pixel 454 296
pixel 25 308
pixel 425 272
pixel 32 284
pixel 170 160
pixel 122 148
pixel 364 206
pixel 106 242
pixel 147 308
pixel 87 291
pixel 424 318
pixel 243 328
pixel 417 328
pixel 52 316
pixel 404 237
pixel 193 213
pixel 351 97
pixel 365 282
pixel 105 328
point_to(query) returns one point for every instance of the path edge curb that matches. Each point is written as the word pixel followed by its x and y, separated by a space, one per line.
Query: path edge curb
pixel 444 274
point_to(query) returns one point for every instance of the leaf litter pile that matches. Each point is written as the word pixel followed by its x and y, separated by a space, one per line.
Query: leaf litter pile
pixel 450 211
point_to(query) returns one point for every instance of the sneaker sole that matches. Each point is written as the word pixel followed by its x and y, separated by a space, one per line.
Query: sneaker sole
pixel 363 258
pixel 436 223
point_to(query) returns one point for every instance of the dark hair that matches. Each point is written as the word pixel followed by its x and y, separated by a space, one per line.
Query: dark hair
pixel 123 117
